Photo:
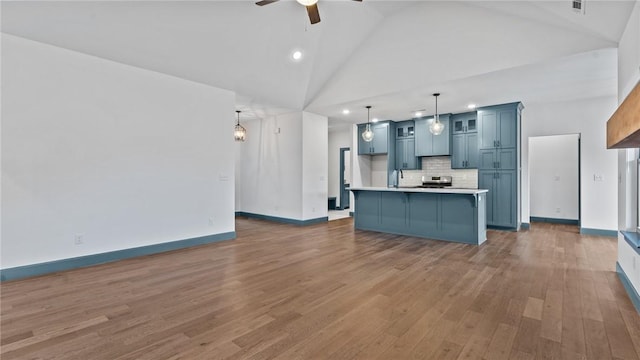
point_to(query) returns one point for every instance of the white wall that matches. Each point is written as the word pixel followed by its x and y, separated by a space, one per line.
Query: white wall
pixel 553 176
pixel 283 167
pixel 272 167
pixel 315 153
pixel 338 138
pixel 629 55
pixel 124 156
pixel 588 118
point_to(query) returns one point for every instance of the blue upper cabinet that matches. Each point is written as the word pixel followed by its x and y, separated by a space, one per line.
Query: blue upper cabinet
pixel 428 144
pixel 406 154
pixel 405 129
pixel 380 143
pixel 497 126
pixel 464 141
pixel 464 123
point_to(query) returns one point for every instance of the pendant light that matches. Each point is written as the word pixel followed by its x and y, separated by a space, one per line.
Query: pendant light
pixel 436 127
pixel 240 132
pixel 367 134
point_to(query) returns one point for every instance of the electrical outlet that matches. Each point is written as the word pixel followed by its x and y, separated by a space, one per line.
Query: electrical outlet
pixel 313 209
pixel 597 177
pixel 78 239
pixel 558 210
pixel 556 178
pixel 210 221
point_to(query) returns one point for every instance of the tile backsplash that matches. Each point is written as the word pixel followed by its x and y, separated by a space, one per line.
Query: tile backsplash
pixel 441 166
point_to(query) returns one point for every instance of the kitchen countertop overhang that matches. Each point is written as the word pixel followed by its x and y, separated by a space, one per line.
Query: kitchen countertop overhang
pixel 424 190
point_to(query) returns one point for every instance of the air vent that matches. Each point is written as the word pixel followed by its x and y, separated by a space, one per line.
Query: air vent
pixel 578 6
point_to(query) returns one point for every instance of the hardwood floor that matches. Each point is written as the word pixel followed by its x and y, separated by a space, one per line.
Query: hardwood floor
pixel 327 292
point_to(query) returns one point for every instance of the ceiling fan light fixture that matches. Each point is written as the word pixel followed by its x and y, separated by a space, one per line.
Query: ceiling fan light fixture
pixel 307 2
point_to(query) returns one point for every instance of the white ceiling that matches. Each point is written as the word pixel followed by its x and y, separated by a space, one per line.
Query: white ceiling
pixel 388 54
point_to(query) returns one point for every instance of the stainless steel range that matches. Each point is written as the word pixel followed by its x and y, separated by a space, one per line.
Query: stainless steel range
pixel 436 181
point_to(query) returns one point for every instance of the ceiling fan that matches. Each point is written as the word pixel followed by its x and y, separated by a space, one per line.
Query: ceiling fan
pixel 311 5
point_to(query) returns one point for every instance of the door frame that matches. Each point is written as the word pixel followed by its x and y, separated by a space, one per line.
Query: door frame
pixel 343 204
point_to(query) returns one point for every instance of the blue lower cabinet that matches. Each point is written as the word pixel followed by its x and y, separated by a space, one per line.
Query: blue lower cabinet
pixel 501 199
pixel 423 213
pixel 440 216
pixel 368 215
pixel 393 211
pixel 459 207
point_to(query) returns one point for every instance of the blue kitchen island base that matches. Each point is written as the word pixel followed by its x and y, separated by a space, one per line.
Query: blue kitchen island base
pixel 457 215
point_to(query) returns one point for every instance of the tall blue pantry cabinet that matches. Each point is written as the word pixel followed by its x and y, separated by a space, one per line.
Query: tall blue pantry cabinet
pixel 499 163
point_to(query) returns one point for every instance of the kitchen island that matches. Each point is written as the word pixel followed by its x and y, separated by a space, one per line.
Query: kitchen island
pixel 457 215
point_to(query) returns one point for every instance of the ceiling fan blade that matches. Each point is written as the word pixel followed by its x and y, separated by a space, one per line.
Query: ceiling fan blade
pixel 265 2
pixel 314 15
pixel 358 0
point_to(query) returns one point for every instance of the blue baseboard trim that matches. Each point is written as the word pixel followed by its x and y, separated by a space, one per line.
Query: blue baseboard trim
pixel 525 226
pixel 21 272
pixel 283 220
pixel 598 232
pixel 633 294
pixel 554 220
pixel 503 228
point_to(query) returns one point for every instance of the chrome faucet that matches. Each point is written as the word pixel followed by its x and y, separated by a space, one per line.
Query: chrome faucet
pixel 399 175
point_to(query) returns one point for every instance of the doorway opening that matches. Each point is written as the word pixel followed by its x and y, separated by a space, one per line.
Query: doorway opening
pixel 343 199
pixel 554 179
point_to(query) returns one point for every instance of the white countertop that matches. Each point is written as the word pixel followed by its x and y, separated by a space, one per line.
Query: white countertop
pixel 423 190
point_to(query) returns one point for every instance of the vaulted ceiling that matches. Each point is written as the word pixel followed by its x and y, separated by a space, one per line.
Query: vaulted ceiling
pixel 389 54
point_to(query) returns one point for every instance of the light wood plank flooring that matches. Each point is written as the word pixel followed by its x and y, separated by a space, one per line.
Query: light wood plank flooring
pixel 329 292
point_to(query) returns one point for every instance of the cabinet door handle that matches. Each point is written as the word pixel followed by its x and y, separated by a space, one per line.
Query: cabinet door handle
pixel 498 143
pixel 498 164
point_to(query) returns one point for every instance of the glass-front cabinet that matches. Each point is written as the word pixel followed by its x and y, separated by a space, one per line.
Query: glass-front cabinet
pixel 464 123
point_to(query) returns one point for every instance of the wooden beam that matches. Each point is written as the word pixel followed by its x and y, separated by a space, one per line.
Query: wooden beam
pixel 623 128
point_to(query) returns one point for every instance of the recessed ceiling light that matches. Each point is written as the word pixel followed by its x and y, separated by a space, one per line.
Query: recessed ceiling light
pixel 297 55
pixel 346 111
pixel 418 113
pixel 374 120
pixel 471 106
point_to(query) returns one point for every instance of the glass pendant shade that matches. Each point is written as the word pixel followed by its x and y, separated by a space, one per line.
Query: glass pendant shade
pixel 367 134
pixel 307 2
pixel 239 133
pixel 436 127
